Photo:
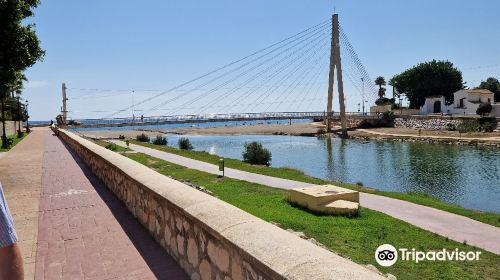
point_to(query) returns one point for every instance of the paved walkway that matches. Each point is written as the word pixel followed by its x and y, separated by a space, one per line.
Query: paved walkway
pixel 486 139
pixel 455 227
pixel 21 177
pixel 72 226
pixel 86 231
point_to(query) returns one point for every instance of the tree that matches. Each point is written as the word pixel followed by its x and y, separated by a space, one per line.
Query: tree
pixel 19 48
pixel 426 79
pixel 493 85
pixel 380 81
pixel 484 108
pixel 256 154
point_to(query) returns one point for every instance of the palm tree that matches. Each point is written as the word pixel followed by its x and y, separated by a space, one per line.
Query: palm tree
pixel 380 81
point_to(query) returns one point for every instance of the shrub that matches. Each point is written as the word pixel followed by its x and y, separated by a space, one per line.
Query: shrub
pixel 483 124
pixel 142 138
pixel 321 131
pixel 487 127
pixel 484 108
pixel 469 126
pixel 384 101
pixel 185 144
pixel 451 127
pixel 256 154
pixel 122 137
pixel 388 118
pixel 160 140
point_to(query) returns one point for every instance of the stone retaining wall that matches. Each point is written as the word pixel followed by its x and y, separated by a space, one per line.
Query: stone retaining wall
pixel 209 238
pixel 432 123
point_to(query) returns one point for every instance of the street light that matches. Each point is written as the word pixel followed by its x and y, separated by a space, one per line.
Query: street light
pixel 20 117
pixel 27 117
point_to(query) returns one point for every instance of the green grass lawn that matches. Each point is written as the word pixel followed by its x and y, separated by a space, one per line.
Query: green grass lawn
pixel 15 141
pixel 112 147
pixel 354 238
pixel 297 175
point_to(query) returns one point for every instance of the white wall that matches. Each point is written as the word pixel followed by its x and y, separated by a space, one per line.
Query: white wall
pixel 428 107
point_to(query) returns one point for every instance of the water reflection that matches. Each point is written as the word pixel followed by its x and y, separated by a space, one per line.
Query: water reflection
pixel 469 176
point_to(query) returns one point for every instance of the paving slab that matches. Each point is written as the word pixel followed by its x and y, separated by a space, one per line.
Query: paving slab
pixel 85 232
pixel 453 226
pixel 20 174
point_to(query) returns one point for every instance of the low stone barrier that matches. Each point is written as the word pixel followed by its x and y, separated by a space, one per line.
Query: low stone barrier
pixel 427 122
pixel 210 239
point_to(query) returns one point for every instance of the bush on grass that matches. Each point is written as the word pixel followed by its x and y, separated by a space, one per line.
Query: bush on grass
pixel 160 140
pixel 256 154
pixel 142 138
pixel 185 144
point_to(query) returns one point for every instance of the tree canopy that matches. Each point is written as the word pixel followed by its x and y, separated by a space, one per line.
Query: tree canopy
pixel 427 79
pixel 19 49
pixel 380 81
pixel 19 45
pixel 493 85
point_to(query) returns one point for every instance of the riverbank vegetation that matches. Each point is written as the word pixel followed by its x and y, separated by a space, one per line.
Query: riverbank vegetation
pixel 354 238
pixel 185 144
pixel 297 175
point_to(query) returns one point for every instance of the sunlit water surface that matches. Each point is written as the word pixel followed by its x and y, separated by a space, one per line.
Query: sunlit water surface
pixel 464 175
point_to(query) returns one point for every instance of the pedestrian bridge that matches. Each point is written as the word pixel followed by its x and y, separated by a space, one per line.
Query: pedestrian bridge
pixel 176 119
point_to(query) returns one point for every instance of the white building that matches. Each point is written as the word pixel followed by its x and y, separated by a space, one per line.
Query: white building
pixel 465 102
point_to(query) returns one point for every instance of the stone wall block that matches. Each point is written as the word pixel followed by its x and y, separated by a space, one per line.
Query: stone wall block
pixel 205 270
pixel 192 252
pixel 180 244
pixel 219 256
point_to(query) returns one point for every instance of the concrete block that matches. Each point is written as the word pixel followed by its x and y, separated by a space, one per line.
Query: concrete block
pixel 328 199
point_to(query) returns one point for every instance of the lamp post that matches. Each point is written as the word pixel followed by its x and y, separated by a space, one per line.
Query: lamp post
pixel 27 117
pixel 363 94
pixel 19 131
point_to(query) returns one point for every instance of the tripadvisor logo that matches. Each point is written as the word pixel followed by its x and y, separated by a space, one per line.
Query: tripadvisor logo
pixel 387 255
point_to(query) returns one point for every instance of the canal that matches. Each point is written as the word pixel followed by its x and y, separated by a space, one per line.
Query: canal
pixel 465 175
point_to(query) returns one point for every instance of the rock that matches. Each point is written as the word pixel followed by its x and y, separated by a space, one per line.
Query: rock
pixel 219 256
pixel 195 276
pixel 180 244
pixel 236 271
pixel 192 252
pixel 205 270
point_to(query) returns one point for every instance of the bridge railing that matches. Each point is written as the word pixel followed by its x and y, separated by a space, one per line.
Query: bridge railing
pixel 216 117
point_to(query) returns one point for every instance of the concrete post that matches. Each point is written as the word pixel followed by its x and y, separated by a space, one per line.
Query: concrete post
pixel 335 62
pixel 64 111
pixel 338 62
pixel 331 78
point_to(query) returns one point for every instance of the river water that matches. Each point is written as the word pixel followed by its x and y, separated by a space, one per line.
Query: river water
pixel 464 175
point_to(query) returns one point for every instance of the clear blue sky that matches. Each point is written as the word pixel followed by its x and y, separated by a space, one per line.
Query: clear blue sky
pixel 158 44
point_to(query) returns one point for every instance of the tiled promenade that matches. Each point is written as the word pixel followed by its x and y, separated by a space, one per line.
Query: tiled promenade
pixel 84 231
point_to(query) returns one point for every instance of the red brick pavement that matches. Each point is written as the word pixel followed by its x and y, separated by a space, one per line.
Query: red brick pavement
pixel 85 232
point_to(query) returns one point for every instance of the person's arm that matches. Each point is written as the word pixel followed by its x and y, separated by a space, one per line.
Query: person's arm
pixel 11 262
